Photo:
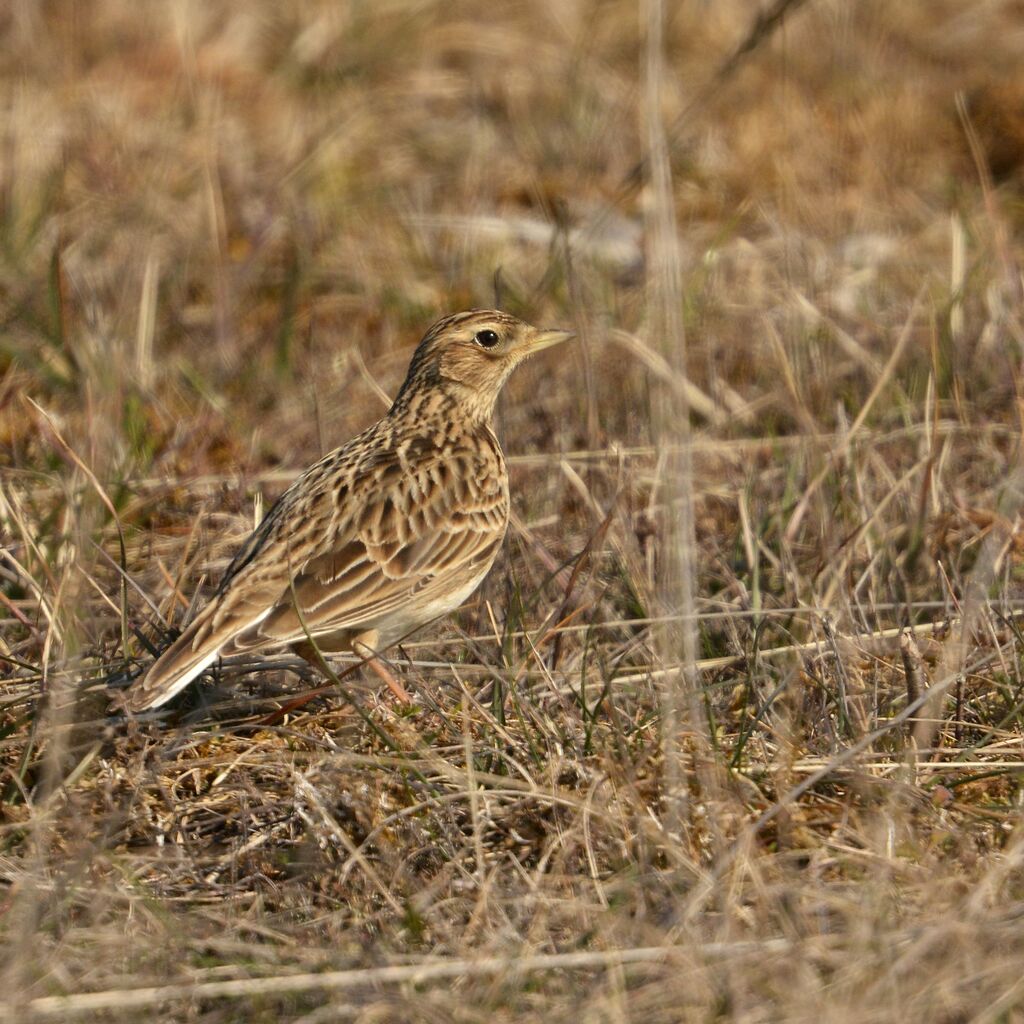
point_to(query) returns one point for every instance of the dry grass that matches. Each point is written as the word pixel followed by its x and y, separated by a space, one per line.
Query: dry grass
pixel 223 228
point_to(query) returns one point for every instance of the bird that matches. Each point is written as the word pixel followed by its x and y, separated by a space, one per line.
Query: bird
pixel 383 534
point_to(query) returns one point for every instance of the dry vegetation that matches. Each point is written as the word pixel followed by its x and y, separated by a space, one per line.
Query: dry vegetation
pixel 224 225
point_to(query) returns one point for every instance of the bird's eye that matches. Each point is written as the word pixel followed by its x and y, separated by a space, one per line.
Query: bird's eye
pixel 487 339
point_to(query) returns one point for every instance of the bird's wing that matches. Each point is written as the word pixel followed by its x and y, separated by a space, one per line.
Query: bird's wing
pixel 359 585
pixel 339 554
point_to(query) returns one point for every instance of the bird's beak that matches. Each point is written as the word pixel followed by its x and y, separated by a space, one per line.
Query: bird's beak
pixel 545 339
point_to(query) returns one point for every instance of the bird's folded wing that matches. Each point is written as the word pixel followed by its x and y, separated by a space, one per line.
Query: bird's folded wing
pixel 412 535
pixel 335 558
pixel 357 586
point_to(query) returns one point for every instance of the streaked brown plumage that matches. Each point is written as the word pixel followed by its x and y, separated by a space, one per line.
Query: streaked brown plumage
pixel 382 535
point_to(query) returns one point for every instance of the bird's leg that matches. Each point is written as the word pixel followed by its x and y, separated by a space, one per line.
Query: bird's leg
pixel 365 646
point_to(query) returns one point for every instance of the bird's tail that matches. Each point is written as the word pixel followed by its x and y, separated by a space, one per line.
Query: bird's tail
pixel 176 667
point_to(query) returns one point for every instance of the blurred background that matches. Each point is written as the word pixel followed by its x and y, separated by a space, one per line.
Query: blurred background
pixel 789 234
pixel 208 208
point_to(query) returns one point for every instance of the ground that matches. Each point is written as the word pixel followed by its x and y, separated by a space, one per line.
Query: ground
pixel 734 730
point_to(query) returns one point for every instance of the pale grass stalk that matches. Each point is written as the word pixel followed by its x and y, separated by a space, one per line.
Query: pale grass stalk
pixel 422 973
pixel 957 273
pixel 1003 1007
pixel 843 338
pixel 588 844
pixel 934 767
pixel 661 367
pixel 473 793
pixel 793 392
pixel 357 360
pixel 681 710
pixel 146 327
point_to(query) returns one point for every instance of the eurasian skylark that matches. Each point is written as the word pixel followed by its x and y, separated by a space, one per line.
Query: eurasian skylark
pixel 385 533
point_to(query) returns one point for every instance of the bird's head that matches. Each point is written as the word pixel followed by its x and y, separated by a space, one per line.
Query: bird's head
pixel 469 356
